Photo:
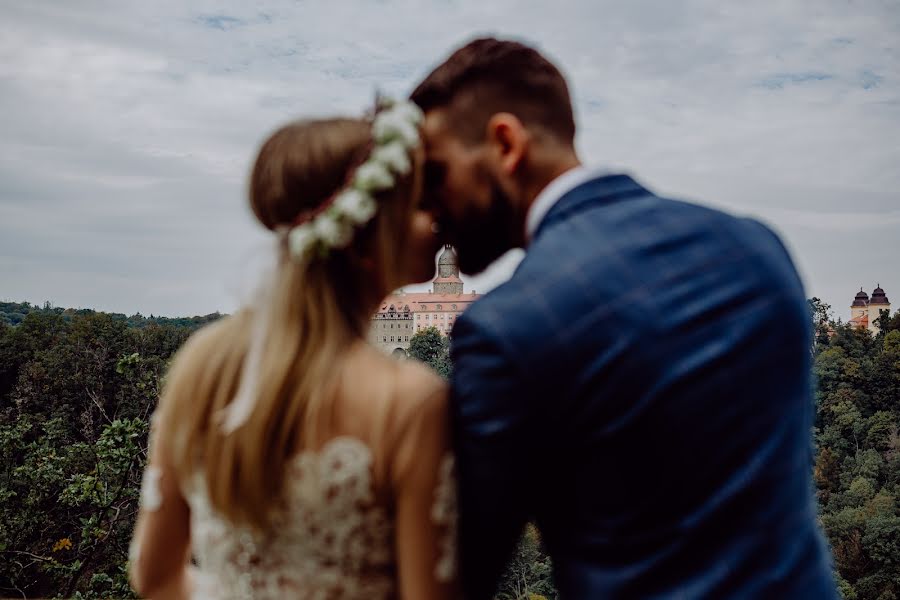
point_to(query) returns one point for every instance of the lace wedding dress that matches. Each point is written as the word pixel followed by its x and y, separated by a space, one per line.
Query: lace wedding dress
pixel 332 541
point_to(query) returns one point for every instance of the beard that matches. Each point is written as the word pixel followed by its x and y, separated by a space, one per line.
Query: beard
pixel 484 236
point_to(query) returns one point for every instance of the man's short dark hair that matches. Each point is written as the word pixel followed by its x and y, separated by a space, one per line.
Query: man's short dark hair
pixel 487 76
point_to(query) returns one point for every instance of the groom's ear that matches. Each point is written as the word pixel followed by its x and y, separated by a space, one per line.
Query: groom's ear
pixel 507 140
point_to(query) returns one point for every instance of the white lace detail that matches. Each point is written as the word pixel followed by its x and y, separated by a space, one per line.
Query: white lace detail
pixel 444 513
pixel 150 499
pixel 134 552
pixel 151 496
pixel 333 541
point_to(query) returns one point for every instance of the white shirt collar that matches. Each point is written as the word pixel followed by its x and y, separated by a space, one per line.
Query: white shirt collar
pixel 555 190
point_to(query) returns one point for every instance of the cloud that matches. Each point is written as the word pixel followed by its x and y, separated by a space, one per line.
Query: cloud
pixel 128 129
pixel 778 81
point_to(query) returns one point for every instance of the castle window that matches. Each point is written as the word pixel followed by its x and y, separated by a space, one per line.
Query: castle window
pixel 384 339
pixel 453 307
pixel 438 307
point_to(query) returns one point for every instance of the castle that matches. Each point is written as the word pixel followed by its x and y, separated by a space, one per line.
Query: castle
pixel 864 311
pixel 403 314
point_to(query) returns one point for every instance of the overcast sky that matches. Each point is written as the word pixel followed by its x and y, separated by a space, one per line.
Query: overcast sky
pixel 127 128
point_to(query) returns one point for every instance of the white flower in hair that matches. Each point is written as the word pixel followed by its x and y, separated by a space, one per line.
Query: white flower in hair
pixel 394 124
pixel 332 231
pixel 373 176
pixel 408 111
pixel 301 239
pixel 357 206
pixel 394 156
pixel 395 132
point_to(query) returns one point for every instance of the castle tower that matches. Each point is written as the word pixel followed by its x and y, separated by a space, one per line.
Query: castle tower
pixel 447 280
pixel 877 303
pixel 859 311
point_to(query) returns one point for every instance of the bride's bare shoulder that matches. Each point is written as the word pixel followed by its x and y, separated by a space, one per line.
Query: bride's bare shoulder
pixel 421 394
pixel 409 382
pixel 417 379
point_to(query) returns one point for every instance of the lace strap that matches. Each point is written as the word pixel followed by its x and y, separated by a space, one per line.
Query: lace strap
pixel 444 514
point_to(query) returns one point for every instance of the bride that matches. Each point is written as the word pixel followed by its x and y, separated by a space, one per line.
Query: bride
pixel 288 458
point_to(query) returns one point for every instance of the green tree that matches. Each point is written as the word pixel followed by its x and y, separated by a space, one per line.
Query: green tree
pixel 432 348
pixel 879 427
pixel 883 320
pixel 76 392
pixel 820 312
pixel 857 469
pixel 893 323
pixel 892 342
pixel 529 572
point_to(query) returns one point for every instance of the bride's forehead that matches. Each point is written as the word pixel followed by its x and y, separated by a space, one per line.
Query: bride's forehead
pixel 435 126
pixel 441 140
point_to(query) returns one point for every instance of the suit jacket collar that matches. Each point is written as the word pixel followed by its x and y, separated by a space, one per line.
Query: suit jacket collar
pixel 602 189
pixel 555 190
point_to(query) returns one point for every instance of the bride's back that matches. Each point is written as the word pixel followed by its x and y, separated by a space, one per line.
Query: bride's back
pixel 311 465
pixel 333 532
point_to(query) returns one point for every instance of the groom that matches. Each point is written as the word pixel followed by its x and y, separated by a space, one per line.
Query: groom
pixel 640 388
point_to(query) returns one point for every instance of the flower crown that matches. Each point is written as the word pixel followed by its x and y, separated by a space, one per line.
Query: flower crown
pixel 395 132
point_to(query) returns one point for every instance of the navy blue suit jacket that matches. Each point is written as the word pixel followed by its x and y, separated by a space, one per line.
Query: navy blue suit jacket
pixel 640 389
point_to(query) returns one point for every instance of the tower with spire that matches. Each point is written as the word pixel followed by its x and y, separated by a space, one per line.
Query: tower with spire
pixel 859 310
pixel 865 311
pixel 402 314
pixel 877 303
pixel 447 280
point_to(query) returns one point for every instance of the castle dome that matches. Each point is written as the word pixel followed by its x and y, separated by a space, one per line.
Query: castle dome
pixel 447 280
pixel 448 256
pixel 862 299
pixel 879 297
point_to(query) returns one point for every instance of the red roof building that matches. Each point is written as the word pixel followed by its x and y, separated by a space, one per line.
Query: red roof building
pixel 402 314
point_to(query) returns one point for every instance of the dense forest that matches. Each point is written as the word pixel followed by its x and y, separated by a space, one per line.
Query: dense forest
pixel 13 313
pixel 857 470
pixel 77 388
